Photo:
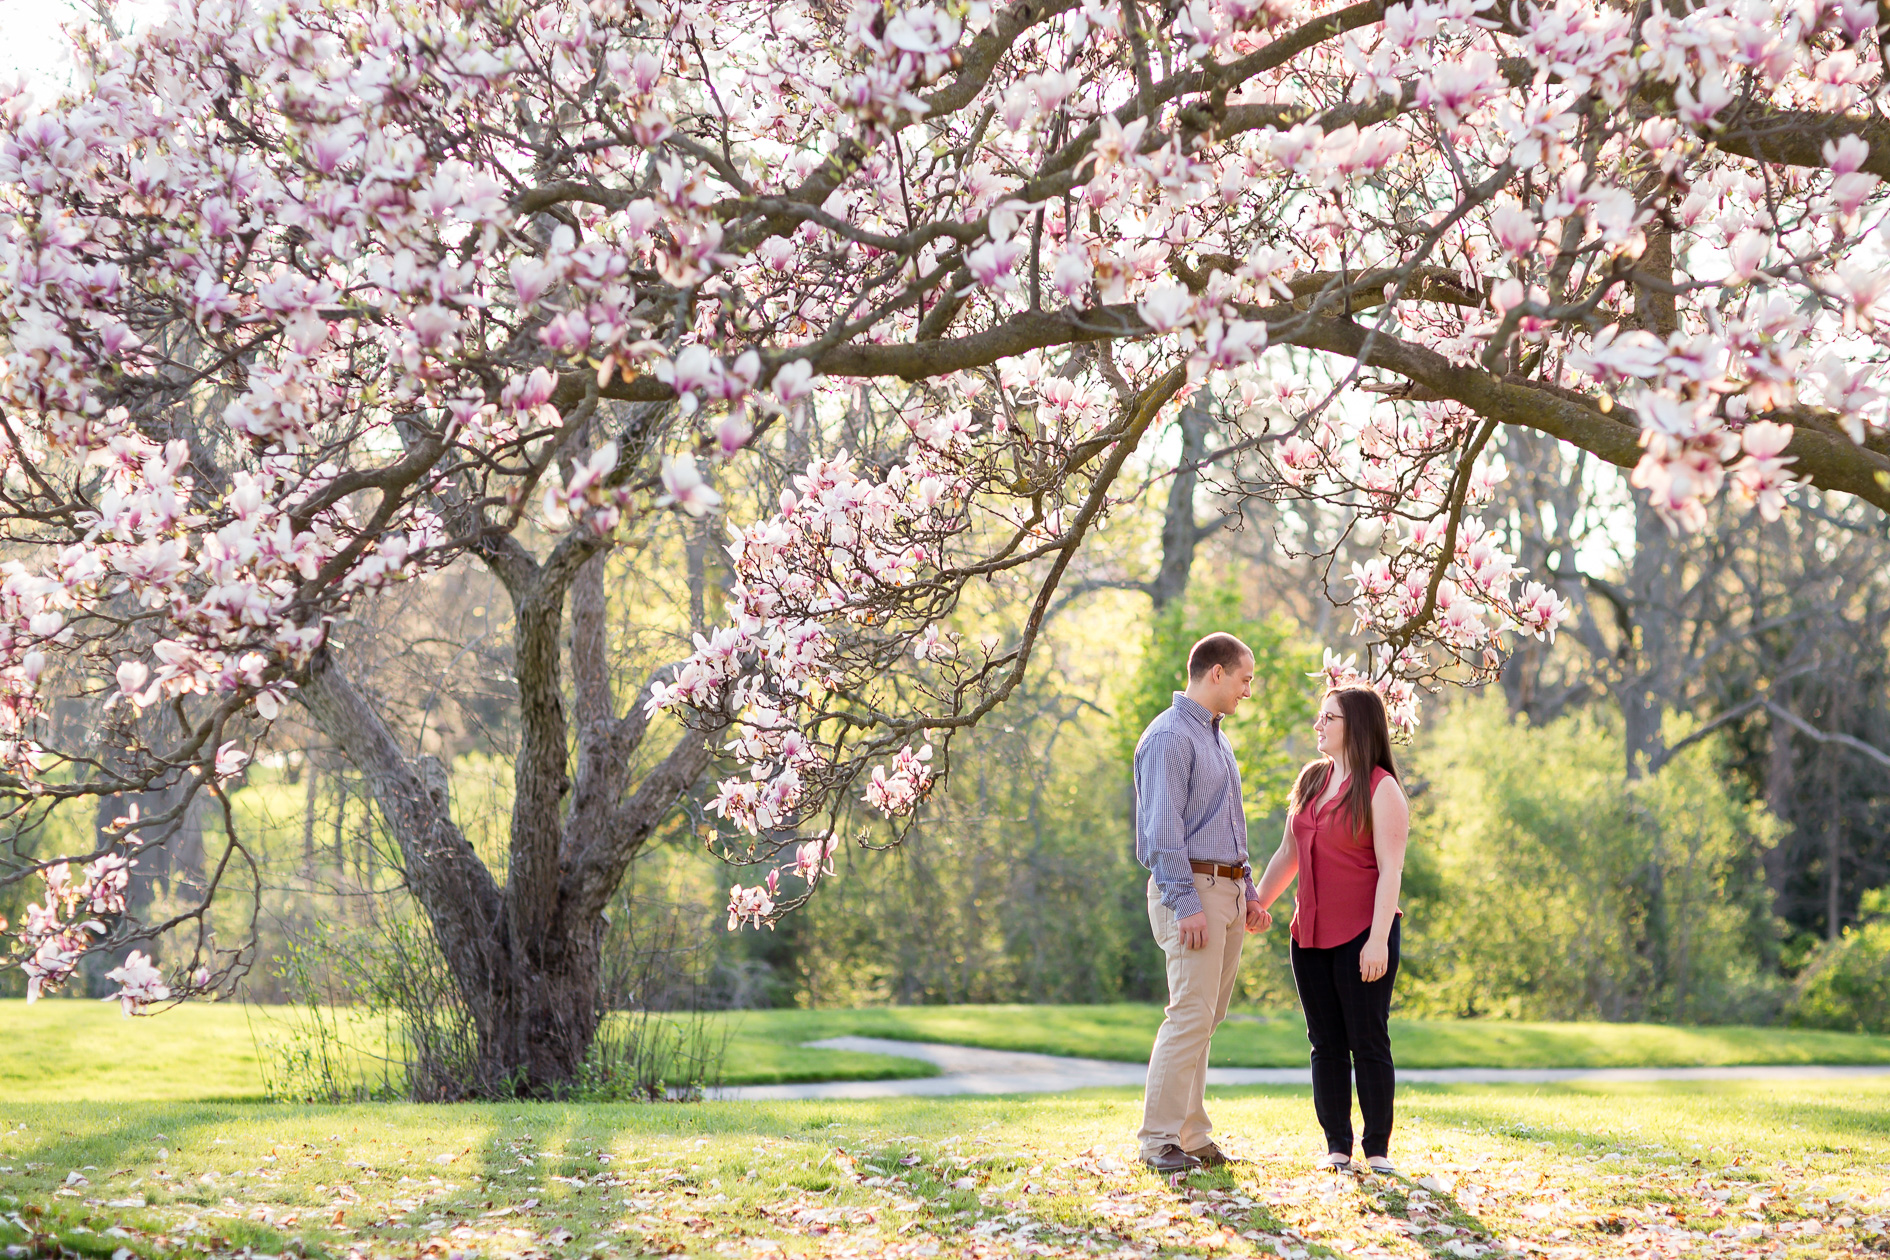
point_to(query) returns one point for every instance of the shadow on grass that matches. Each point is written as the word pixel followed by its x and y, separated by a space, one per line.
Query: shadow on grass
pixel 496 1155
pixel 57 1225
pixel 1816 1121
pixel 763 1155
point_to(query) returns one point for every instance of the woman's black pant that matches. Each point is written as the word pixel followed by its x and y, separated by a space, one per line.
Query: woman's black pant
pixel 1348 1023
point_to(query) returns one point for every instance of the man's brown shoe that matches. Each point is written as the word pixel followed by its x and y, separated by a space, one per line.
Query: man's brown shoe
pixel 1171 1159
pixel 1212 1156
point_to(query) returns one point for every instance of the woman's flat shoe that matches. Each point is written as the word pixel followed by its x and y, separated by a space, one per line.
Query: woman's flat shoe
pixel 1335 1162
pixel 1380 1164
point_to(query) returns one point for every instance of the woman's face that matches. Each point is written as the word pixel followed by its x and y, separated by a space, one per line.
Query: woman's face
pixel 1329 727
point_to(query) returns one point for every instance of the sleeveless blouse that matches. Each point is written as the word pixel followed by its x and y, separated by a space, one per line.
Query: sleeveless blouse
pixel 1338 873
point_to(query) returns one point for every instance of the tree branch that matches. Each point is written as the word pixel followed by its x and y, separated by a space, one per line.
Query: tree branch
pixel 590 657
pixel 1811 732
pixel 595 871
pixel 459 894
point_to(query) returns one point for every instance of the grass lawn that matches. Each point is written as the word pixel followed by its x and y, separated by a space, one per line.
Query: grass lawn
pixel 1708 1169
pixel 67 1049
pixel 1126 1031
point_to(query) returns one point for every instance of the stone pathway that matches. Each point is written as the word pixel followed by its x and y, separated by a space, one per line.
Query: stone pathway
pixel 972 1070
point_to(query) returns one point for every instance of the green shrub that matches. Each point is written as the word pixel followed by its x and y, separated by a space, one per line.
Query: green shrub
pixel 1562 890
pixel 1847 987
pixel 1271 731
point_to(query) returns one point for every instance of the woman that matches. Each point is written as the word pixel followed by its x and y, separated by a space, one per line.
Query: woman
pixel 1346 823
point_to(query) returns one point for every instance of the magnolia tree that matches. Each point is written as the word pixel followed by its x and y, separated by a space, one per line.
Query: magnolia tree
pixel 299 300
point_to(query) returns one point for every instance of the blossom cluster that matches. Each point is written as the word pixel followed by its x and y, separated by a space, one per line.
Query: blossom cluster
pixel 60 928
pixel 1477 598
pixel 1399 694
pixel 839 544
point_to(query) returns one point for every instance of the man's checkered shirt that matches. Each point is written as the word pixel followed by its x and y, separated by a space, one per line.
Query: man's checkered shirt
pixel 1187 802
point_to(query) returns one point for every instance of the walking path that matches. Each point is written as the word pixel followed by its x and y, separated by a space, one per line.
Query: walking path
pixel 971 1070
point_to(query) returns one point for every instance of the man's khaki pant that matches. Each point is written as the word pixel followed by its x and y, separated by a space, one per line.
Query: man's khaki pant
pixel 1200 983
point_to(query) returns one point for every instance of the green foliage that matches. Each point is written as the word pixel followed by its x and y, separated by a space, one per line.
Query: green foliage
pixel 1013 887
pixel 374 1015
pixel 1848 985
pixel 1561 890
pixel 1270 728
pixel 316 1050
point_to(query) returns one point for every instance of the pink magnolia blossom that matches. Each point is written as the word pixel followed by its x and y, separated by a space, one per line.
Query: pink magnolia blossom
pixel 992 264
pixel 814 858
pixel 752 906
pixel 683 486
pixel 1167 308
pixel 1845 156
pixel 901 789
pixel 1760 480
pixel 139 984
pixel 231 758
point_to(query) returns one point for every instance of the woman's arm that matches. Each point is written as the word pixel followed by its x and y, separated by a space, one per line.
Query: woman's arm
pixel 1281 867
pixel 1391 826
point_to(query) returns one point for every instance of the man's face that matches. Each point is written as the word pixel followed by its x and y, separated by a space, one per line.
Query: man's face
pixel 1227 688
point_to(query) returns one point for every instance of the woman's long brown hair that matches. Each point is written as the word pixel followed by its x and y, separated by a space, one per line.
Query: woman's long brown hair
pixel 1367 744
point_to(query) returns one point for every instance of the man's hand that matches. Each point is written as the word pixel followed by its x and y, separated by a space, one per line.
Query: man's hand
pixel 1372 960
pixel 1194 930
pixel 1258 918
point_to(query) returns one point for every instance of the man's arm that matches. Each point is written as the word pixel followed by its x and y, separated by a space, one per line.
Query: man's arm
pixel 1161 782
pixel 1258 920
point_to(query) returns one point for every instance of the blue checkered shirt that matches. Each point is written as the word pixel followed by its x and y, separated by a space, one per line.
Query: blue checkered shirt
pixel 1187 802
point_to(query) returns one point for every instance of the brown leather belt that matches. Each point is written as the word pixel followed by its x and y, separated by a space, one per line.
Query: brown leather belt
pixel 1225 872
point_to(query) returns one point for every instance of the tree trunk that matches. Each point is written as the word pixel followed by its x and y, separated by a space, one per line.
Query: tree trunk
pixel 538 1019
pixel 1781 777
pixel 1180 533
pixel 526 959
pixel 1833 881
pixel 1653 648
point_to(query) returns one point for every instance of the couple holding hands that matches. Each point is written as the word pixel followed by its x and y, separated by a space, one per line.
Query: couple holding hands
pixel 1346 823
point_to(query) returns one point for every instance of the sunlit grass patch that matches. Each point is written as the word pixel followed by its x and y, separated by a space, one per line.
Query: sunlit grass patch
pixel 1125 1031
pixel 73 1049
pixel 1711 1168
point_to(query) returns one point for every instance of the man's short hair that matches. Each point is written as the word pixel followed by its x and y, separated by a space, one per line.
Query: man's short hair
pixel 1220 649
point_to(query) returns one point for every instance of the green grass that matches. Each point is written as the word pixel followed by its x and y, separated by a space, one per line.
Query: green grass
pixel 1797 1169
pixel 67 1049
pixel 1126 1031
pixel 58 1049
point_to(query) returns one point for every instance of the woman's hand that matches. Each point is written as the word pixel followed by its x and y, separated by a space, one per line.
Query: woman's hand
pixel 1373 959
pixel 1258 920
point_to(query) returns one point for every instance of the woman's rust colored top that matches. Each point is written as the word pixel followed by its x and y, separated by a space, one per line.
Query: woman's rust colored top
pixel 1338 873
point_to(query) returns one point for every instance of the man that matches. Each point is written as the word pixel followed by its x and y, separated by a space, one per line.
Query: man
pixel 1191 834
